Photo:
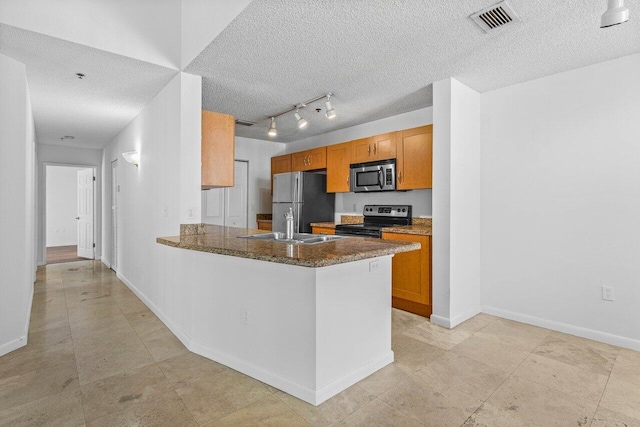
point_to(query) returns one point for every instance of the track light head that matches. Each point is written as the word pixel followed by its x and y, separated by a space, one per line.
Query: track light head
pixel 616 14
pixel 330 111
pixel 302 123
pixel 272 128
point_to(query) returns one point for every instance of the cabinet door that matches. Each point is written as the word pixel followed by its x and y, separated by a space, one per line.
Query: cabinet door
pixel 299 161
pixel 280 164
pixel 322 230
pixel 338 161
pixel 362 150
pixel 317 158
pixel 218 150
pixel 385 146
pixel 309 159
pixel 411 275
pixel 415 158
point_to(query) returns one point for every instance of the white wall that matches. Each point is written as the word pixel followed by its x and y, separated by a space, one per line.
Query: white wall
pixel 352 203
pixel 17 189
pixel 148 30
pixel 561 201
pixel 151 202
pixel 456 200
pixel 61 206
pixel 54 155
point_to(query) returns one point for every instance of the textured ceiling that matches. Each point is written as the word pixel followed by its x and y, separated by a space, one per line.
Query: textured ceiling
pixel 380 57
pixel 93 109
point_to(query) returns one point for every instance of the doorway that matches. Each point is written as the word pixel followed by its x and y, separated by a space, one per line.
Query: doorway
pixel 69 213
pixel 228 206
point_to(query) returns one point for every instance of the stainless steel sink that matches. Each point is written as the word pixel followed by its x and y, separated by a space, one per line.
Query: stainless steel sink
pixel 298 238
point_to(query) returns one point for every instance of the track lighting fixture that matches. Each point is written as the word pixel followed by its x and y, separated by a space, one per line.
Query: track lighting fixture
pixel 616 14
pixel 272 128
pixel 330 112
pixel 302 123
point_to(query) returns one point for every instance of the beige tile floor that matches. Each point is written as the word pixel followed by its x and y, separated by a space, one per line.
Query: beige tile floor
pixel 97 356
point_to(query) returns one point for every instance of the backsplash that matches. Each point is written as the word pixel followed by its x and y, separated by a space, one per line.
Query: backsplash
pixel 353 203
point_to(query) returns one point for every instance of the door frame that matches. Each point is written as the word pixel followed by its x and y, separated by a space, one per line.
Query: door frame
pixel 246 204
pixel 43 205
pixel 114 215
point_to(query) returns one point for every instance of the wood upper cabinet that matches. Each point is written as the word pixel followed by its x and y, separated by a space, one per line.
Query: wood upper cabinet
pixel 379 147
pixel 415 158
pixel 280 164
pixel 218 150
pixel 411 275
pixel 309 159
pixel 338 170
pixel 361 150
pixel 385 146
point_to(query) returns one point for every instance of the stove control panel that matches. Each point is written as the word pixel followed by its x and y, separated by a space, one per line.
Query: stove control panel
pixel 394 211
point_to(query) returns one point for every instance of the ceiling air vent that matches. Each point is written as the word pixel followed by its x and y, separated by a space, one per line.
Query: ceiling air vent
pixel 496 16
pixel 244 123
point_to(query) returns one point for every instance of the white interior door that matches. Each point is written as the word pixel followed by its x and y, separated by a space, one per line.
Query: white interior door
pixel 114 214
pixel 228 206
pixel 236 197
pixel 85 213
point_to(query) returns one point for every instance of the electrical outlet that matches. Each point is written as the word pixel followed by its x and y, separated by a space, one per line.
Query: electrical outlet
pixel 374 265
pixel 607 293
pixel 190 213
pixel 246 316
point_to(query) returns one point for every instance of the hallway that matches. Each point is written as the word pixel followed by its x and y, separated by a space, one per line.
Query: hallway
pixel 97 356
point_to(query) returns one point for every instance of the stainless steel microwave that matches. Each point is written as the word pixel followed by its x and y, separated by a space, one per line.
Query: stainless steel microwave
pixel 373 176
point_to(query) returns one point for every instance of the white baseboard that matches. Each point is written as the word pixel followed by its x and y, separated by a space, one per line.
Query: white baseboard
pixel 445 322
pixel 41 263
pixel 179 333
pixel 13 345
pixel 566 328
pixel 464 316
pixel 105 262
pixel 290 387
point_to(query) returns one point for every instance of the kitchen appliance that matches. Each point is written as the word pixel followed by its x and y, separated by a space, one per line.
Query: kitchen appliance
pixel 377 217
pixel 306 194
pixel 373 176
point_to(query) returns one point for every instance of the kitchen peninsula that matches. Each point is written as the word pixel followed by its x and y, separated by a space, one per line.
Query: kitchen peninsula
pixel 310 320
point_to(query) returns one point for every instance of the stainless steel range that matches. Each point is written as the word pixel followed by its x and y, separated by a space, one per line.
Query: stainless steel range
pixel 377 217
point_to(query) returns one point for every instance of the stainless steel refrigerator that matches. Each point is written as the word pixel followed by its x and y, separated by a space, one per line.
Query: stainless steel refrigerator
pixel 304 192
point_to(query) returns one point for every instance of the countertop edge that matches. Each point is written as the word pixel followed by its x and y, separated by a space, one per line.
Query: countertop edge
pixel 416 230
pixel 406 247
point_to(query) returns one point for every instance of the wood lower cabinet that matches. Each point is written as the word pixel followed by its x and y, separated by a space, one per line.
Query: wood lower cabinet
pixel 323 230
pixel 415 158
pixel 264 225
pixel 280 164
pixel 338 170
pixel 309 160
pixel 218 150
pixel 411 275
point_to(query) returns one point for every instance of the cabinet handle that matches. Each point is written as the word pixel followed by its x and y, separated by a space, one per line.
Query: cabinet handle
pixel 368 150
pixel 400 176
pixel 347 180
pixel 374 149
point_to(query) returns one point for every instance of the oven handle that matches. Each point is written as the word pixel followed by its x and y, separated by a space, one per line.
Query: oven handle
pixel 380 180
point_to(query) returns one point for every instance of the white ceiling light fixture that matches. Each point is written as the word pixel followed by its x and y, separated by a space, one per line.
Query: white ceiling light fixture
pixel 302 122
pixel 132 157
pixel 616 14
pixel 330 111
pixel 272 129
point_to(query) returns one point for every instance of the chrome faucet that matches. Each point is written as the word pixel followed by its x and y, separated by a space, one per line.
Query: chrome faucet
pixel 289 231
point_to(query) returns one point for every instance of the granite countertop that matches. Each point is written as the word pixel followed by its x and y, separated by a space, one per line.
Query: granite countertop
pixel 420 226
pixel 224 241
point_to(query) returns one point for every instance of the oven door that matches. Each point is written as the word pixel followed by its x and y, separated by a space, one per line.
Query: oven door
pixel 379 176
